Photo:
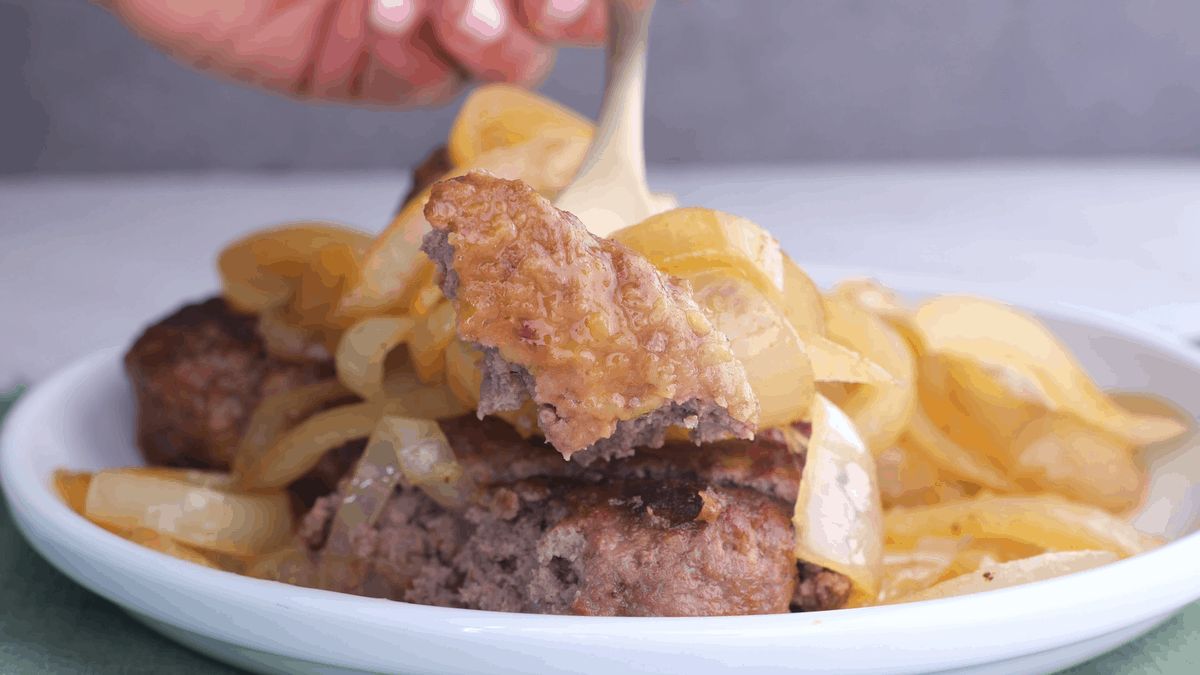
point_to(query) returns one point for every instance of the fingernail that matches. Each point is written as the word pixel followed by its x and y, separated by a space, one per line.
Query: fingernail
pixel 485 19
pixel 393 16
pixel 564 10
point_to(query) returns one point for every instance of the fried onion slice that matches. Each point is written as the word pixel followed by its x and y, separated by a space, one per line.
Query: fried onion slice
pixel 1015 573
pixel 198 508
pixel 1021 355
pixel 1045 520
pixel 363 350
pixel 838 516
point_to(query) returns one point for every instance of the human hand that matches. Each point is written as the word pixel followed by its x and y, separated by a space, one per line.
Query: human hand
pixel 375 53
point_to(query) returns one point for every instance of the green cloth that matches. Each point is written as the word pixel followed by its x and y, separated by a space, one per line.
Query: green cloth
pixel 51 625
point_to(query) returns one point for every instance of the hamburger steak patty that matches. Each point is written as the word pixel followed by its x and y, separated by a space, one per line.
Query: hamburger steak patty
pixel 676 531
pixel 199 374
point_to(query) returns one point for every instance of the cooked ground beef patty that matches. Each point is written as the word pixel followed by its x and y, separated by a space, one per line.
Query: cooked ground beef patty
pixel 198 376
pixel 676 531
pixel 672 531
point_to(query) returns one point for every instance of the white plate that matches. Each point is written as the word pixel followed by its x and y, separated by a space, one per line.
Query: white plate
pixel 82 418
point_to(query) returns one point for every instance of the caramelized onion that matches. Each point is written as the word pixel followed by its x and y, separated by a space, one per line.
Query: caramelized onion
pixel 427 460
pixel 364 348
pixel 193 510
pixel 838 516
pixel 278 413
pixel 1045 520
pixel 880 411
pixel 831 362
pixel 287 340
pixel 73 488
pixel 773 354
pixel 365 494
pixel 291 564
pixel 803 304
pixel 430 337
pixel 1022 356
pixel 948 455
pixel 690 240
pixel 298 451
pixel 910 570
pixel 405 395
pixel 462 372
pixel 1015 573
pixel 498 115
pixel 144 536
pixel 259 270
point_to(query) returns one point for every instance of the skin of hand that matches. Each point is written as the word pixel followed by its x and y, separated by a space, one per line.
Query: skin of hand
pixel 391 54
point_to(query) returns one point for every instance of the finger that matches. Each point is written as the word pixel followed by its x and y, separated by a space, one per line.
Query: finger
pixel 337 59
pixel 410 71
pixel 250 41
pixel 566 22
pixel 485 38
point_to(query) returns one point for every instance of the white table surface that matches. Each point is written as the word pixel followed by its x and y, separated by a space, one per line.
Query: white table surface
pixel 86 262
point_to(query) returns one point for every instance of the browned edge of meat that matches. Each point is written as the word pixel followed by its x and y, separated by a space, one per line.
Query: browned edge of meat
pixel 598 281
pixel 198 375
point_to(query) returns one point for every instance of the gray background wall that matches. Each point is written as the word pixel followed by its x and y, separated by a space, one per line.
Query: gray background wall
pixel 730 80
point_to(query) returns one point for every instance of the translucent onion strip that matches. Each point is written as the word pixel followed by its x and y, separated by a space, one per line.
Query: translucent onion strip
pixel 144 536
pixel 365 494
pixel 404 394
pixel 363 350
pixel 880 411
pixel 427 293
pixel 278 413
pixel 831 362
pixel 946 454
pixel 689 240
pixel 194 513
pixel 1049 521
pixel 1014 573
pixel 802 300
pixel 838 516
pixel 298 451
pixel 769 348
pixel 288 340
pixel 73 488
pixel 257 270
pixel 1020 354
pixel 427 460
pixel 907 571
pixel 462 372
pixel 290 564
pixel 430 338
